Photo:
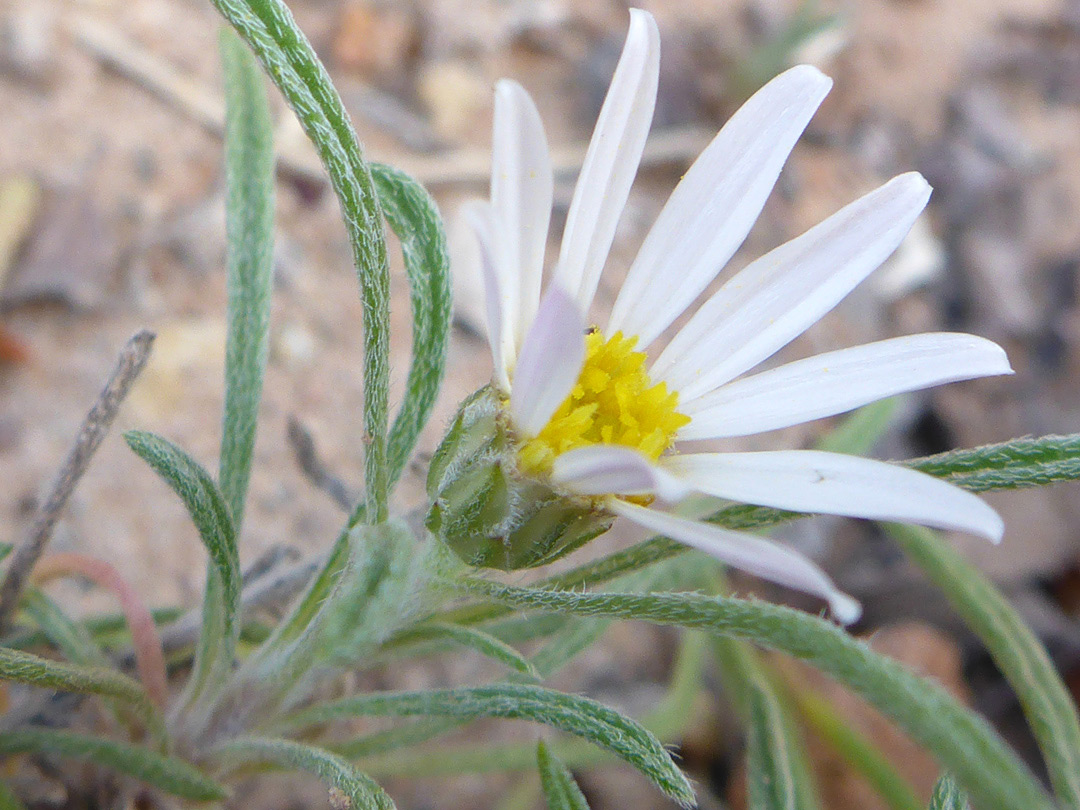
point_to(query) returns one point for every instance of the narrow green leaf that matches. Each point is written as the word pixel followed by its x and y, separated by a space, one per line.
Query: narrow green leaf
pixel 948 796
pixel 8 799
pixel 560 789
pixel 857 750
pixel 666 721
pixel 5 549
pixel 27 668
pixel 358 790
pixel 169 774
pixel 415 219
pixel 962 741
pixel 249 217
pixel 1021 657
pixel 769 770
pixel 220 628
pixel 270 30
pixel 570 713
pixel 483 643
pixel 778 771
pixel 1016 464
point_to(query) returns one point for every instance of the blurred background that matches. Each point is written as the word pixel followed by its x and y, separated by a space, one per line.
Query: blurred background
pixel 112 219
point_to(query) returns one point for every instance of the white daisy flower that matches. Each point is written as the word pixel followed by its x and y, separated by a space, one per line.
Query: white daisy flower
pixel 597 413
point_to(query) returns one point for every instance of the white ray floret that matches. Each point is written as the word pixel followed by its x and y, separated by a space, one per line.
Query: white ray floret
pixel 611 161
pixel 714 206
pixel 607 469
pixel 521 192
pixel 777 297
pixel 840 381
pixel 549 364
pixel 832 483
pixel 764 558
pixel 539 349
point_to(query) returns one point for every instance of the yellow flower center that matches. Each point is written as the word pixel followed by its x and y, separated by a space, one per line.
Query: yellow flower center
pixel 613 402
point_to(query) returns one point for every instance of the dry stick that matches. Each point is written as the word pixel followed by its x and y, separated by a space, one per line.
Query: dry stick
pixel 272 590
pixel 93 430
pixel 314 469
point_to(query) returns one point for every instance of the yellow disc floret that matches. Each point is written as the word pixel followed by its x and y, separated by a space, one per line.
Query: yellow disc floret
pixel 613 402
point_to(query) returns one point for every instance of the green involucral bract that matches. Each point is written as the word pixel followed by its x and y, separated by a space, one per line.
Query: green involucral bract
pixel 490 514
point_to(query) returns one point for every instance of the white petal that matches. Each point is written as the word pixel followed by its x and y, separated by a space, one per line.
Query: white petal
pixel 500 287
pixel 758 556
pixel 835 484
pixel 777 297
pixel 521 191
pixel 611 161
pixel 549 363
pixel 839 381
pixel 716 203
pixel 607 469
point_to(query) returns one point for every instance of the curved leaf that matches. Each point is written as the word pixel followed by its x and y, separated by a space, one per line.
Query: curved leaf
pixel 961 740
pixel 24 667
pixel 169 774
pixel 358 790
pixel 1019 655
pixel 474 639
pixel 220 628
pixel 249 217
pixel 570 713
pixel 269 29
pixel 415 219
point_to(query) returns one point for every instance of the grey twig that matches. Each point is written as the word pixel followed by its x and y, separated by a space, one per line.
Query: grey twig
pixel 271 590
pixel 303 447
pixel 93 431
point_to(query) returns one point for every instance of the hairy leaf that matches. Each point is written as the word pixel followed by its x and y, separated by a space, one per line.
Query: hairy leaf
pixel 24 667
pixel 70 637
pixel 1018 653
pixel 168 774
pixel 560 789
pixel 770 773
pixel 570 713
pixel 961 740
pixel 474 639
pixel 1016 464
pixel 777 769
pixel 269 29
pixel 220 628
pixel 947 796
pixel 357 790
pixel 249 216
pixel 415 219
